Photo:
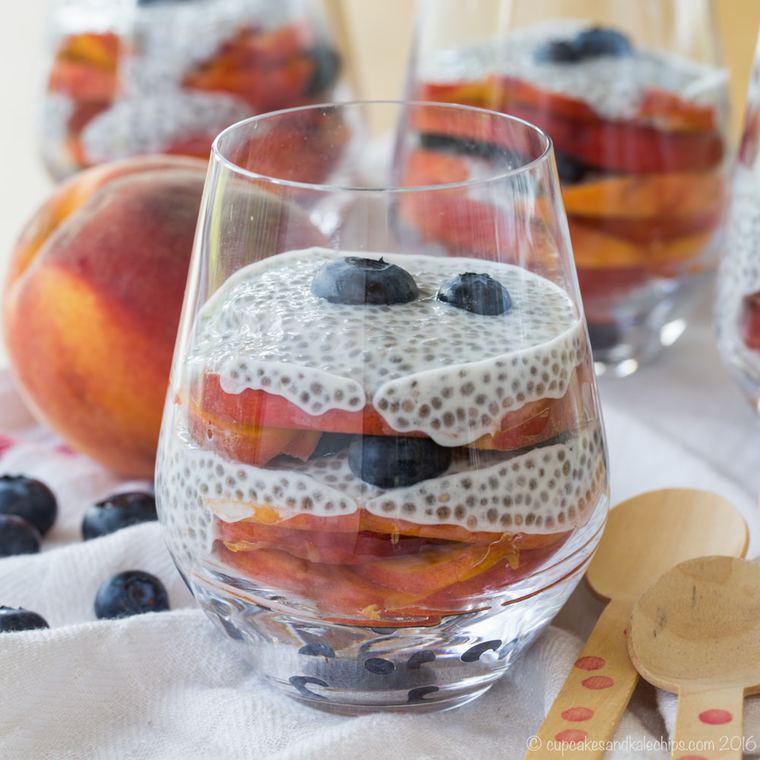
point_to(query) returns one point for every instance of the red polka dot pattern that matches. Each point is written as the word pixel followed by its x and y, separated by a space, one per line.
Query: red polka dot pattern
pixel 590 663
pixel 571 736
pixel 598 682
pixel 716 717
pixel 578 714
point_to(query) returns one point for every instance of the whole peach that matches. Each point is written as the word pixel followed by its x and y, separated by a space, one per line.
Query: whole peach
pixel 93 300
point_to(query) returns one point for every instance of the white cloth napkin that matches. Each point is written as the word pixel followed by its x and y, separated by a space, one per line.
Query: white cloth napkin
pixel 168 685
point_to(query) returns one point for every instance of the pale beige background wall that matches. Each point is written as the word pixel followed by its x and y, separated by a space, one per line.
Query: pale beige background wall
pixel 380 30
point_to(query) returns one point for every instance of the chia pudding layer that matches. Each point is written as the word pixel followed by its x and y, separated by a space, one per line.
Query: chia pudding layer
pixel 424 366
pixel 612 86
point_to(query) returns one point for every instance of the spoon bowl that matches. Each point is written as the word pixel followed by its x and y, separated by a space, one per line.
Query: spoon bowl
pixel 696 633
pixel 651 533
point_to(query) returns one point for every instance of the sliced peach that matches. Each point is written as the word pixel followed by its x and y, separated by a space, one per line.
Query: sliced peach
pixel 595 249
pixel 481 93
pixel 245 443
pixel 428 167
pixel 435 568
pixel 642 198
pixel 331 548
pixel 264 89
pixel 515 92
pixel 655 229
pixel 303 444
pixel 666 110
pixel 493 579
pixel 81 81
pixel 335 589
pixel 621 146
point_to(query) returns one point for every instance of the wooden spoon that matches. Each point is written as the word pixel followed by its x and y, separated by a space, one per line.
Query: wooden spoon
pixel 696 633
pixel 645 537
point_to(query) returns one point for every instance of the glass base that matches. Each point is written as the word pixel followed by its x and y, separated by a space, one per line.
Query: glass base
pixel 651 320
pixel 354 670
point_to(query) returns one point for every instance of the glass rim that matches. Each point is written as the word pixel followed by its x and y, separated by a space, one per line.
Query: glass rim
pixel 217 152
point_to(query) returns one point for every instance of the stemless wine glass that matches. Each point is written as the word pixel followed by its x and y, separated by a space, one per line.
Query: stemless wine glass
pixel 738 303
pixel 130 77
pixel 382 464
pixel 635 99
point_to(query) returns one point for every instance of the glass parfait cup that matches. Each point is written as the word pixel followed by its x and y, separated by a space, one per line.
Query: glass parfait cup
pixel 635 99
pixel 738 301
pixel 130 77
pixel 382 466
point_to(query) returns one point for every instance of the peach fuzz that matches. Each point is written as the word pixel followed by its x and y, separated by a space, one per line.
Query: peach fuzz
pixel 93 299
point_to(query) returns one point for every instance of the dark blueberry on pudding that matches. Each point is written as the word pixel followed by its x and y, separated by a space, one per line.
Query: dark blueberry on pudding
pixel 327 66
pixel 116 512
pixel 17 536
pixel 330 444
pixel 14 619
pixel 357 281
pixel 132 592
pixel 30 499
pixel 478 293
pixel 390 462
pixel 571 170
pixel 557 51
pixel 599 41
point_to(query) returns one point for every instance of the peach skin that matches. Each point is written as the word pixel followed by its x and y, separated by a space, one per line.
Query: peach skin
pixel 93 299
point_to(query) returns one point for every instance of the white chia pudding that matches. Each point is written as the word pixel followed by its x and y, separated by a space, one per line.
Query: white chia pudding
pixel 425 366
pixel 612 86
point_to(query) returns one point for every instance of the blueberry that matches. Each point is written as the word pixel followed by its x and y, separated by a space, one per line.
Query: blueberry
pixel 571 170
pixel 116 512
pixel 327 65
pixel 557 51
pixel 354 280
pixel 17 536
pixel 330 444
pixel 590 43
pixel 478 293
pixel 604 335
pixel 29 499
pixel 391 462
pixel 18 619
pixel 600 41
pixel 130 593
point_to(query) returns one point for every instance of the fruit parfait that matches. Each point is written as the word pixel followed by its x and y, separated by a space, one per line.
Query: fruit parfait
pixel 738 303
pixel 638 126
pixel 166 76
pixel 381 466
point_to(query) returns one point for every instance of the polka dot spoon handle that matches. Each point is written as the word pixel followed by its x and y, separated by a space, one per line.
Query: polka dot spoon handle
pixel 644 538
pixel 709 725
pixel 589 706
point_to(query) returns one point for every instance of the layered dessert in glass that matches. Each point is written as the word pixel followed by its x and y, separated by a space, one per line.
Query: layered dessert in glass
pixel 738 301
pixel 133 77
pixel 382 465
pixel 639 136
pixel 391 461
